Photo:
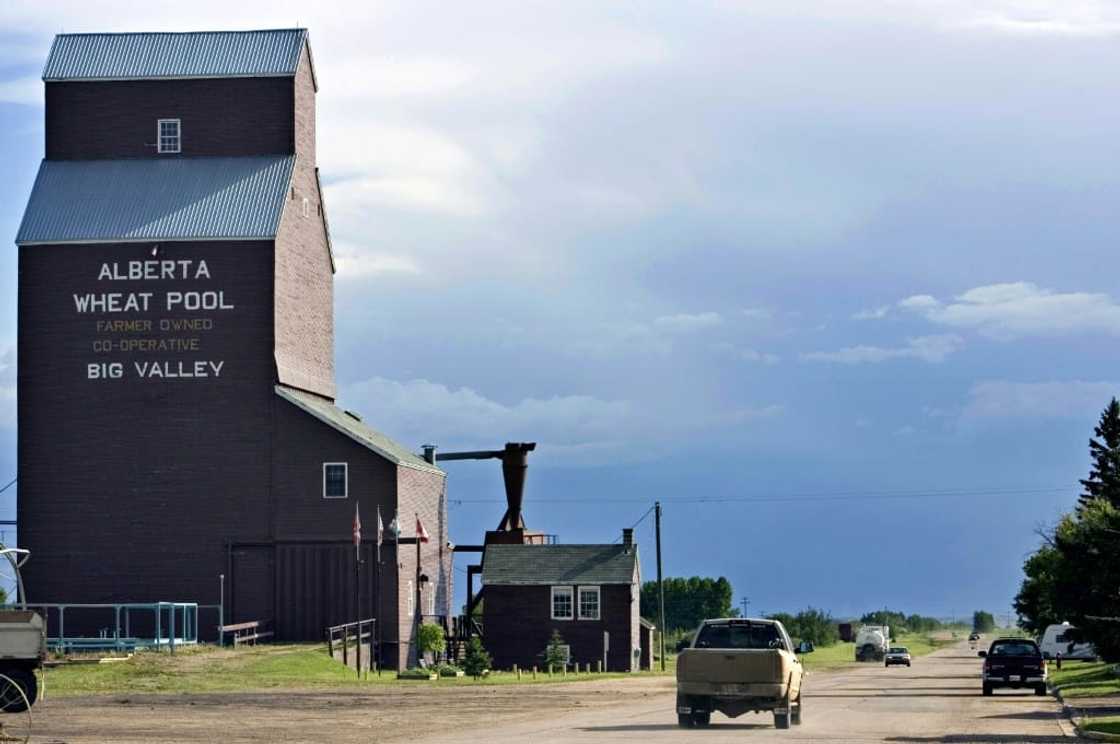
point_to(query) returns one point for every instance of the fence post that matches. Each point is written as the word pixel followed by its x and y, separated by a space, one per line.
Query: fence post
pixel 534 671
pixel 345 643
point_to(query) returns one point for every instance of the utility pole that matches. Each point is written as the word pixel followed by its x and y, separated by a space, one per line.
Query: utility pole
pixel 744 602
pixel 660 582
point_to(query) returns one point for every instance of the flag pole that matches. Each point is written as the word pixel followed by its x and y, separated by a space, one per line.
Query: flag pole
pixel 358 584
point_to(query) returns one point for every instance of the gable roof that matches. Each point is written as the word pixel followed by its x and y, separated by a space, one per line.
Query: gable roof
pixel 343 422
pixel 149 199
pixel 163 56
pixel 534 565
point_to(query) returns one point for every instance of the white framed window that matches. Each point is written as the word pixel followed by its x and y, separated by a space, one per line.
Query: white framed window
pixel 562 603
pixel 306 206
pixel 336 480
pixel 431 603
pixel 169 136
pixel 589 603
pixel 411 599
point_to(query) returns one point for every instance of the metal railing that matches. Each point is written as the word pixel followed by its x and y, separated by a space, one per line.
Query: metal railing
pixel 351 637
pixel 174 624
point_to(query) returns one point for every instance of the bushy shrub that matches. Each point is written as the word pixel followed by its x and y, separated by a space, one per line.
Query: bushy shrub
pixel 431 639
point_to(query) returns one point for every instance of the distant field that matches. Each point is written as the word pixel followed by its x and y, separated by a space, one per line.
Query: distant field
pixel 842 654
pixel 1085 679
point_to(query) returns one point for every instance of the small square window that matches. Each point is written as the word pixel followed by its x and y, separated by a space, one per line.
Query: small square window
pixel 562 603
pixel 335 484
pixel 169 136
pixel 589 603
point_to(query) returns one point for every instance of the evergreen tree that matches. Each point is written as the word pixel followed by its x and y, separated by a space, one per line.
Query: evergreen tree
pixel 1104 477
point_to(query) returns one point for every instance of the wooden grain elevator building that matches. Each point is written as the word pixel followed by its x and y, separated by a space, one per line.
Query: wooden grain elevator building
pixel 176 386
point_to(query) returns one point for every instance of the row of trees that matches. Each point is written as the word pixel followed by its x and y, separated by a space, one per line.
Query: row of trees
pixel 1074 575
pixel 688 601
pixel 813 625
pixel 901 621
pixel 983 622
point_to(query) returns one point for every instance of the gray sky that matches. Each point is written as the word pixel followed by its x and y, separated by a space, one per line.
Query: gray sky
pixel 834 255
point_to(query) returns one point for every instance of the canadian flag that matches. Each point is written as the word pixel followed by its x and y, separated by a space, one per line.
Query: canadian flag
pixel 421 533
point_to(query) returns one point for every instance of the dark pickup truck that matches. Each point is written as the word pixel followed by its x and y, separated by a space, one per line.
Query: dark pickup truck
pixel 1015 663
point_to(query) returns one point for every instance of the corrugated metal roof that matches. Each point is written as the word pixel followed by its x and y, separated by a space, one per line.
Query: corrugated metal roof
pixel 202 54
pixel 335 417
pixel 536 565
pixel 78 201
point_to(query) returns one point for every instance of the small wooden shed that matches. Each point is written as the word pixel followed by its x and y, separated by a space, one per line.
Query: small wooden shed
pixel 586 593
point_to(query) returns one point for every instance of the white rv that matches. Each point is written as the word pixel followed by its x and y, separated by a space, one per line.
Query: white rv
pixel 1058 639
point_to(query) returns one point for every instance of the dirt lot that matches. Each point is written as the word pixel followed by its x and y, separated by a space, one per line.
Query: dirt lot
pixel 382 714
pixel 937 700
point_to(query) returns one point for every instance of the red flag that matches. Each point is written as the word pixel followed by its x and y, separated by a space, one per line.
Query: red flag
pixel 421 533
pixel 357 527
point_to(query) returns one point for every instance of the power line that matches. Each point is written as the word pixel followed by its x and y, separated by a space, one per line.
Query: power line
pixel 640 520
pixel 11 483
pixel 792 498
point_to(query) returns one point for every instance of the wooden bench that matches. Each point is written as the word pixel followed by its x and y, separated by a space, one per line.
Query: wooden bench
pixel 249 632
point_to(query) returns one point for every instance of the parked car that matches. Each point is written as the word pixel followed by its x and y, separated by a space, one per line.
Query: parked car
pixel 897 655
pixel 737 665
pixel 1014 663
pixel 1064 639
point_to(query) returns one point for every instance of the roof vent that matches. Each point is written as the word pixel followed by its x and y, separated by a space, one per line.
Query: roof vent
pixel 353 415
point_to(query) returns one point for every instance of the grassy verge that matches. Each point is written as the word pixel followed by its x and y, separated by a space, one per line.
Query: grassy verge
pixel 840 655
pixel 1104 725
pixel 208 669
pixel 1085 679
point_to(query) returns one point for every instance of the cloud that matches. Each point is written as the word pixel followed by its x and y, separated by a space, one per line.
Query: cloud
pixel 687 323
pixel 932 349
pixel 354 262
pixel 27 91
pixel 875 313
pixel 1074 18
pixel 420 410
pixel 1001 399
pixel 1016 309
pixel 571 429
pixel 753 356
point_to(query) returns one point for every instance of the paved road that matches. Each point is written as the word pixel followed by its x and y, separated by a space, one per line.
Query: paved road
pixel 936 700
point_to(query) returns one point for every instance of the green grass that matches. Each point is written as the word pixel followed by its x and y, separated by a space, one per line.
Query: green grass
pixel 843 654
pixel 207 669
pixel 1103 725
pixel 1085 679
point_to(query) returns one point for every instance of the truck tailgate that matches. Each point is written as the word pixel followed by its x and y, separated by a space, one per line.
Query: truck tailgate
pixel 725 666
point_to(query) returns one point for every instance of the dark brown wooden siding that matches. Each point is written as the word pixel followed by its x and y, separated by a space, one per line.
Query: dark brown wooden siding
pixel 517 624
pixel 130 488
pixel 220 117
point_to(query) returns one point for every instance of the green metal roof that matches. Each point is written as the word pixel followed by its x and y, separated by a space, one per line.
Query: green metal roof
pixel 535 565
pixel 151 199
pixel 344 422
pixel 206 54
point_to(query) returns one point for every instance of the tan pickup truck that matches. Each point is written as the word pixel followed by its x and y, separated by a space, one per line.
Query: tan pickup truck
pixel 736 665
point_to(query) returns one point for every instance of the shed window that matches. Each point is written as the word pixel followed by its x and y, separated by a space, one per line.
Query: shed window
pixel 169 136
pixel 589 603
pixel 335 485
pixel 562 608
